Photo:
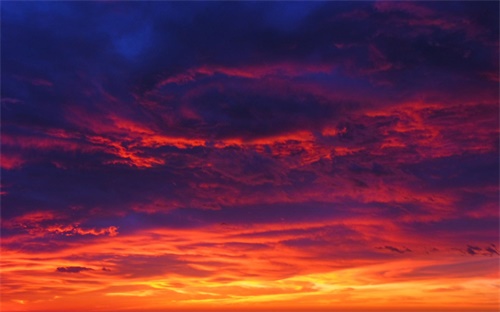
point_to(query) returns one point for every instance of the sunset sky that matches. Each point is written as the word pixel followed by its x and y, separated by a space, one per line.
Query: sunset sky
pixel 249 156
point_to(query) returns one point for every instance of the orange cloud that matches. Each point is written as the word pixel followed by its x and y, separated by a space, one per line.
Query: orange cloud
pixel 190 268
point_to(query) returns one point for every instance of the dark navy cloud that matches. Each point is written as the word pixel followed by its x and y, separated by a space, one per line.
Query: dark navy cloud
pixel 178 37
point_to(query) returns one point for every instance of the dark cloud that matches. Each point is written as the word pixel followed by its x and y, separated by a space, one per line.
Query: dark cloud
pixel 394 249
pixel 492 250
pixel 73 269
pixel 473 250
pixel 457 171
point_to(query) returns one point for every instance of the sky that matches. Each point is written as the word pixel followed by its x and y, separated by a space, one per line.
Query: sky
pixel 253 156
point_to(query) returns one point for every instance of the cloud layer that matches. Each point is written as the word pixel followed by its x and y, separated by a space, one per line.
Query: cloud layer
pixel 259 155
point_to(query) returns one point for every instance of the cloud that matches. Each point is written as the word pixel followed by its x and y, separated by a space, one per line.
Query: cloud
pixel 472 250
pixel 492 249
pixel 329 146
pixel 394 249
pixel 73 269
